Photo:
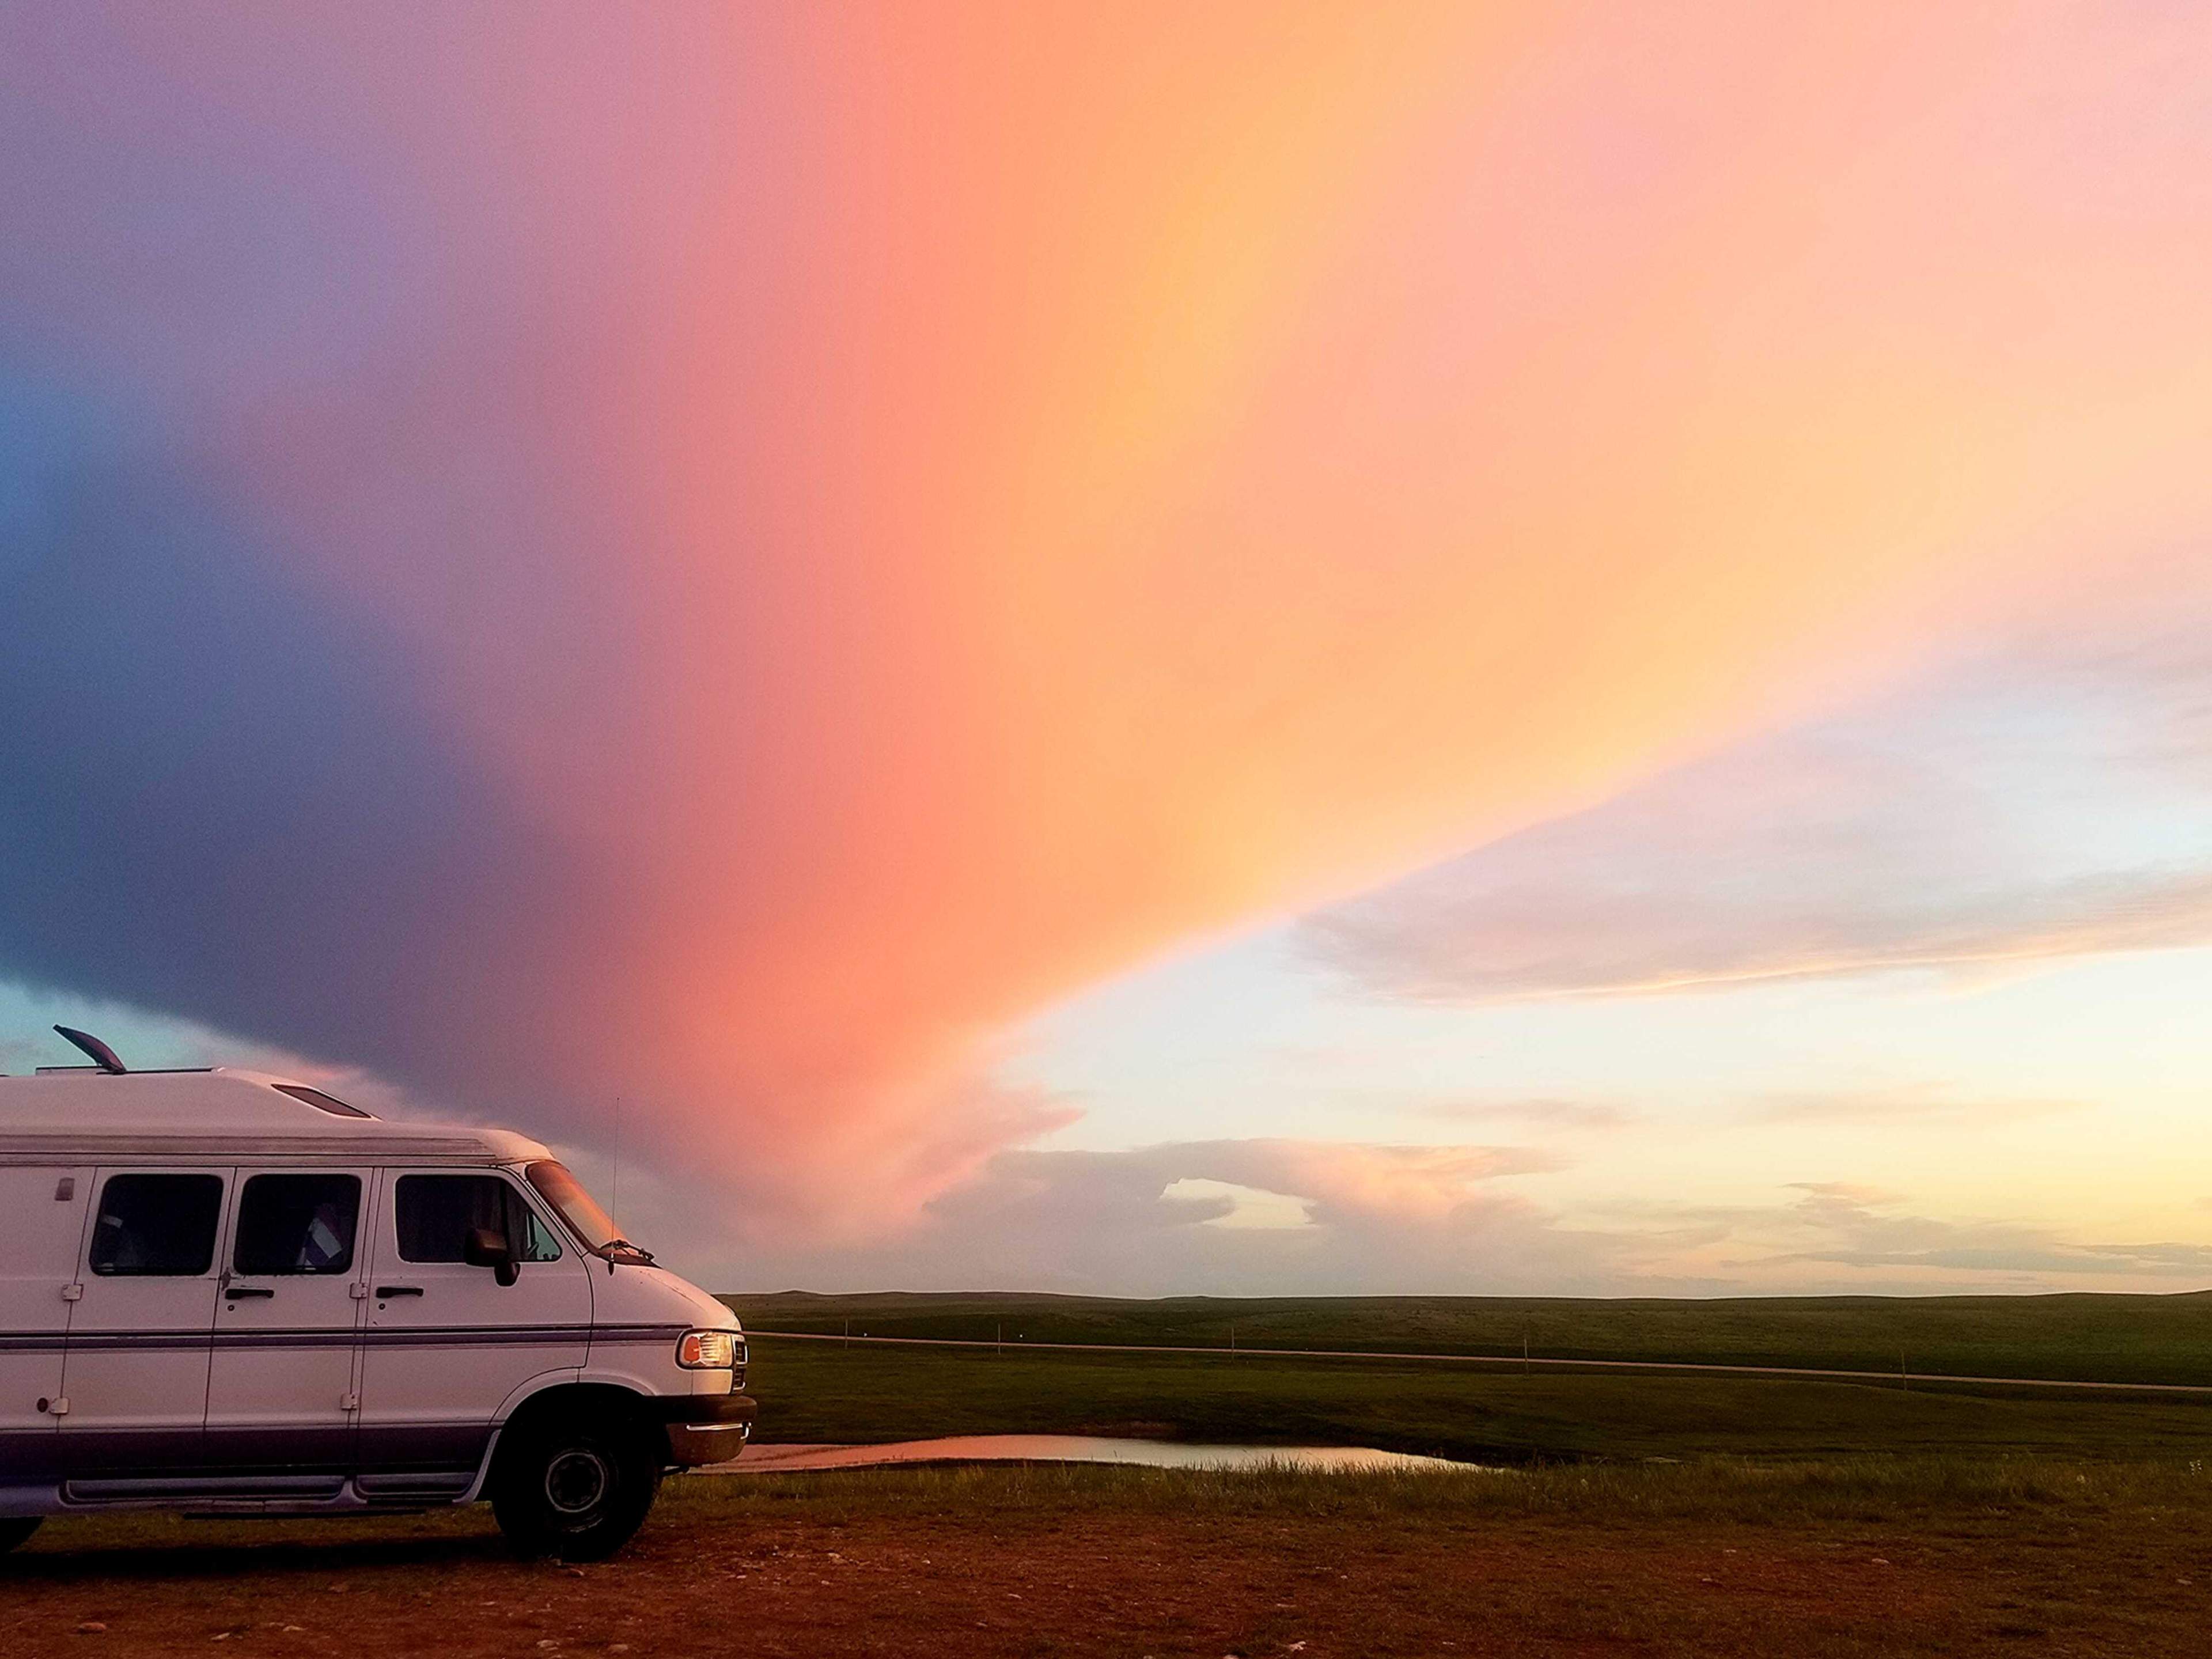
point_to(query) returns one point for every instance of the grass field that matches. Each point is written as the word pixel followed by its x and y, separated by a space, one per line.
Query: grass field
pixel 812 1391
pixel 1927 1556
pixel 1646 1514
pixel 2123 1339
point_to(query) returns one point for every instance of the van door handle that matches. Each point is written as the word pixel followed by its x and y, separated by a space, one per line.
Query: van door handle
pixel 399 1290
pixel 242 1292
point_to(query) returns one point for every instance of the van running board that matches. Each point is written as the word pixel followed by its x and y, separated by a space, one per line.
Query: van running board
pixel 435 1483
pixel 274 1494
pixel 296 1488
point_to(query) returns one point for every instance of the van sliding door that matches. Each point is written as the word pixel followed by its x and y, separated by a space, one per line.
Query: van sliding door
pixel 281 1388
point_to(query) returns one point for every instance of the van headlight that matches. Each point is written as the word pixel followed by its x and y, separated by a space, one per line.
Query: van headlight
pixel 708 1351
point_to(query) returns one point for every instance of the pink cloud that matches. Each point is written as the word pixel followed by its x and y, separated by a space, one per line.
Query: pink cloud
pixel 722 557
pixel 2039 798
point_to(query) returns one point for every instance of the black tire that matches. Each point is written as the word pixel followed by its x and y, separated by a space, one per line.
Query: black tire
pixel 575 1482
pixel 16 1528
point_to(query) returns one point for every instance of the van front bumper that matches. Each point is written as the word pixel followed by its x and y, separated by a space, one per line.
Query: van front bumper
pixel 708 1428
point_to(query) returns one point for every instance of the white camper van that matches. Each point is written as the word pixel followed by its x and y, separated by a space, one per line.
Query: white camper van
pixel 230 1293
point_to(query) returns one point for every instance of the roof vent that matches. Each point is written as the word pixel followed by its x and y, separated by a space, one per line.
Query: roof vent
pixel 101 1055
pixel 320 1100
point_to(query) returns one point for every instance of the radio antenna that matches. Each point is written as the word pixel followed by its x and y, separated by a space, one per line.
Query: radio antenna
pixel 614 1197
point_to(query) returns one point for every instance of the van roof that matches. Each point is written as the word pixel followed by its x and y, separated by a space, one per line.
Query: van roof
pixel 89 1116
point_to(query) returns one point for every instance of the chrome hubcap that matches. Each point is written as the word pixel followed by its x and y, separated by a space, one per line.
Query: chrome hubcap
pixel 576 1479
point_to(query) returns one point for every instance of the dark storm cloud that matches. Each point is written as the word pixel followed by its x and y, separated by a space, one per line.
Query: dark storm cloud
pixel 219 799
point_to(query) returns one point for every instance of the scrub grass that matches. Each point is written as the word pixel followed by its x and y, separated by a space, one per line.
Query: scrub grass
pixel 1999 1495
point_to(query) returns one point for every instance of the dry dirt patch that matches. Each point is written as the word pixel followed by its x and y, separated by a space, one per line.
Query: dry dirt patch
pixel 978 1574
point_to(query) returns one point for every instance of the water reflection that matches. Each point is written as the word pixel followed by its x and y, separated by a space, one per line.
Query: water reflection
pixel 1073 1448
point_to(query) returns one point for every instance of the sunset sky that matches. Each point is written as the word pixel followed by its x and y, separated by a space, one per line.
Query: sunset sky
pixel 1143 648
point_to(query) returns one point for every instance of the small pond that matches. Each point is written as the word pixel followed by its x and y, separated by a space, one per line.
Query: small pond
pixel 1073 1448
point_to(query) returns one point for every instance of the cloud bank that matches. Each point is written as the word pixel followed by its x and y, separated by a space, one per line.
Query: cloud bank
pixel 2046 799
pixel 719 558
pixel 1383 1220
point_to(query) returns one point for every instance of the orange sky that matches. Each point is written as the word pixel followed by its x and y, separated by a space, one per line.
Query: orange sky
pixel 937 505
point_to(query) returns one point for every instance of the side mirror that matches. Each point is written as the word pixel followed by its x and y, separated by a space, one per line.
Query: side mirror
pixel 486 1247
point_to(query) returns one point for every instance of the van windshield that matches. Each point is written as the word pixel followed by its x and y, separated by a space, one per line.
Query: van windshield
pixel 558 1188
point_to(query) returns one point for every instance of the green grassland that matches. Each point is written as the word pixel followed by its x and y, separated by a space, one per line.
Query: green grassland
pixel 1666 1513
pixel 2120 1338
pixel 816 1391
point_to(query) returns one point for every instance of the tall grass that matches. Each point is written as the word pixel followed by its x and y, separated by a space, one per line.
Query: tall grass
pixel 812 1391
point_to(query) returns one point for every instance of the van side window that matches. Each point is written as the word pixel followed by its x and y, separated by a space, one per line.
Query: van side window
pixel 435 1214
pixel 296 1223
pixel 157 1226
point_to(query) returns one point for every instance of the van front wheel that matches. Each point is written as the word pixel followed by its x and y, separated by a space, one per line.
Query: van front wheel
pixel 574 1484
pixel 16 1528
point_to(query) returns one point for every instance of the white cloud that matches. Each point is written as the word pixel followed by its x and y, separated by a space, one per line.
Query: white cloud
pixel 1927 1107
pixel 1851 1226
pixel 1559 1113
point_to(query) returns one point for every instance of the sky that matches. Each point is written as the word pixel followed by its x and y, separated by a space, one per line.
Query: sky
pixel 1250 648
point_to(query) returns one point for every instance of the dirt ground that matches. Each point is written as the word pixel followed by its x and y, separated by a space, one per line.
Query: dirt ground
pixel 708 1577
